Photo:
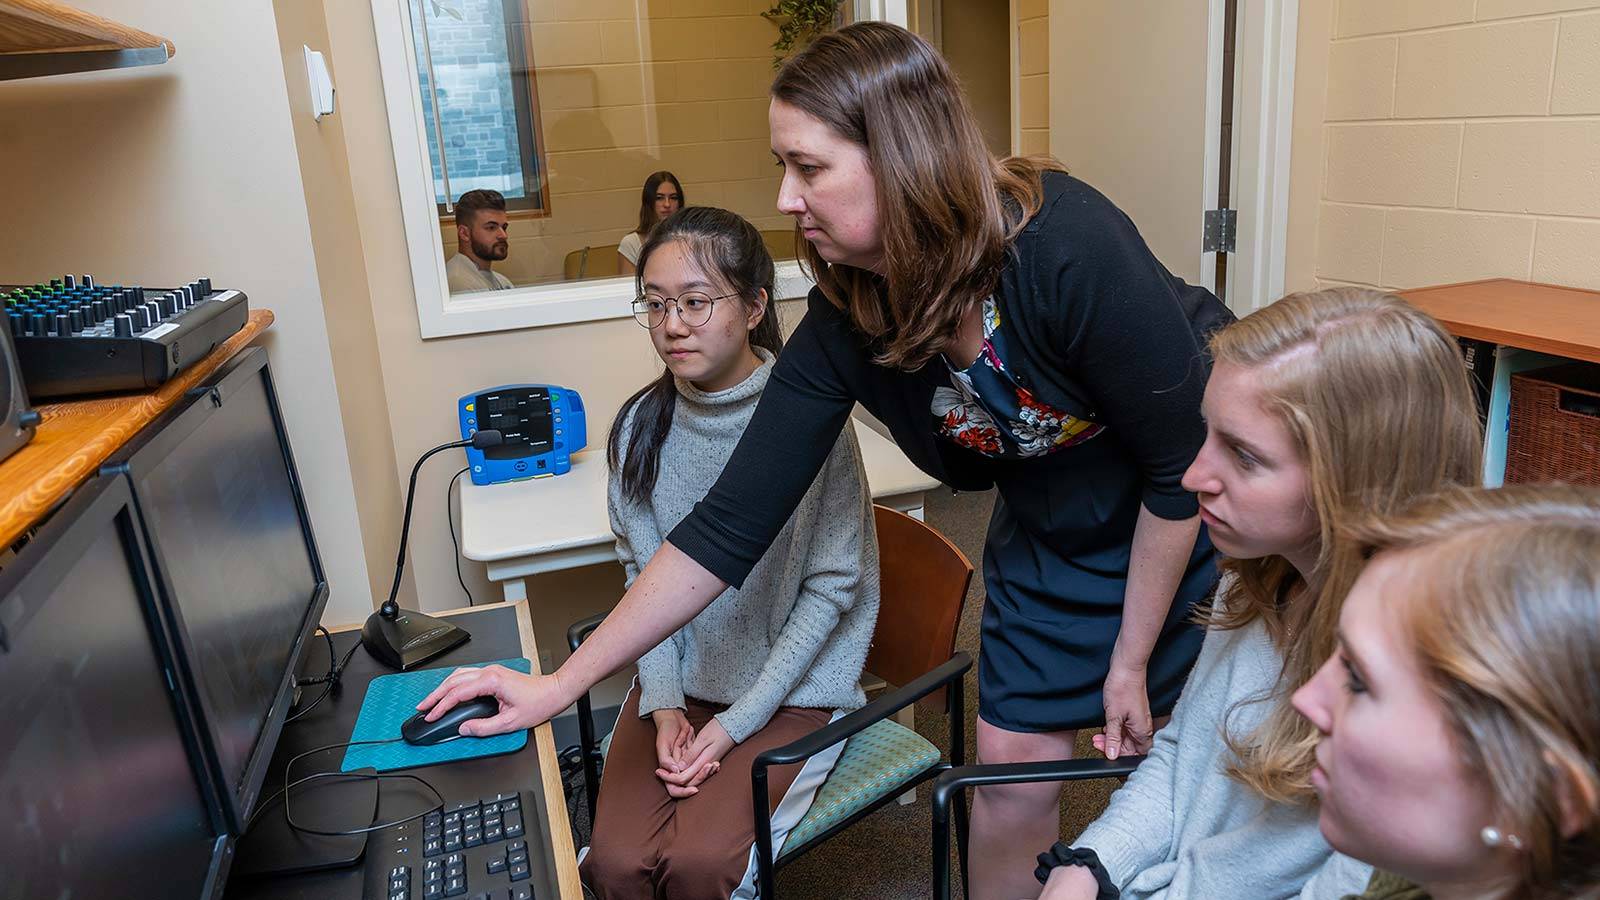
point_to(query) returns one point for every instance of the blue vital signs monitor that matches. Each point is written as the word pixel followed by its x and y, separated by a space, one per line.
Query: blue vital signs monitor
pixel 543 426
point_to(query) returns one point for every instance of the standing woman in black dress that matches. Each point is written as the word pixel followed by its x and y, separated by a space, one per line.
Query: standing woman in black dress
pixel 1011 329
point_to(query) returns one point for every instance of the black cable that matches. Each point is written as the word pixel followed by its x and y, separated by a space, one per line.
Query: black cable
pixel 288 786
pixel 450 516
pixel 331 679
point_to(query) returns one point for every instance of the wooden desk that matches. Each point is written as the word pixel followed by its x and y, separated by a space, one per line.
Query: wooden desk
pixel 534 768
pixel 1532 326
pixel 523 528
pixel 1545 318
pixel 76 436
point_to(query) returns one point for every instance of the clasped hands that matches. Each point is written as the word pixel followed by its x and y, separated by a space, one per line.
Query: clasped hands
pixel 685 758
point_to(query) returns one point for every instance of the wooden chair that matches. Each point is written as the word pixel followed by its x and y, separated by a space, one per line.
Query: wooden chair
pixel 923 587
pixel 780 242
pixel 594 261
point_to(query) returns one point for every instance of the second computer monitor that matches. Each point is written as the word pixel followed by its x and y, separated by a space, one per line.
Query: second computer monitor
pixel 237 564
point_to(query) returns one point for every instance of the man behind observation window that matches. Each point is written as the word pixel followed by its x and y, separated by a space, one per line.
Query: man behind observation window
pixel 481 225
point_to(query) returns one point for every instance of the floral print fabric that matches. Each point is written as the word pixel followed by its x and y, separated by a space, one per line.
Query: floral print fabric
pixel 986 411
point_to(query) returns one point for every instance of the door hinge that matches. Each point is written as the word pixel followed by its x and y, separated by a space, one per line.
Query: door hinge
pixel 1221 227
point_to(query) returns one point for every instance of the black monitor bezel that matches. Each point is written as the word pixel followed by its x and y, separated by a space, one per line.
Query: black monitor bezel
pixel 53 548
pixel 156 443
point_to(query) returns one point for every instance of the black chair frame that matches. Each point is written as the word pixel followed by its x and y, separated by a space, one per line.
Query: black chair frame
pixel 947 675
pixel 950 789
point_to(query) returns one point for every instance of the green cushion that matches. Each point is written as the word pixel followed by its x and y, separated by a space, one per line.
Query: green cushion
pixel 874 764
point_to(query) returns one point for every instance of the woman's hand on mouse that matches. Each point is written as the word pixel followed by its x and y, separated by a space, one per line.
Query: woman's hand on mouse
pixel 705 759
pixel 525 700
pixel 674 734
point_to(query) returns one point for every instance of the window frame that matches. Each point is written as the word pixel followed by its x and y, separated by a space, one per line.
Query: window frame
pixel 438 313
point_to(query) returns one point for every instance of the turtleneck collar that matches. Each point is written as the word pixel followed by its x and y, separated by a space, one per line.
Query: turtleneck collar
pixel 744 390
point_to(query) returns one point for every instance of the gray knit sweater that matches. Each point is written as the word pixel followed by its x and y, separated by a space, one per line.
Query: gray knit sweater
pixel 1181 829
pixel 797 633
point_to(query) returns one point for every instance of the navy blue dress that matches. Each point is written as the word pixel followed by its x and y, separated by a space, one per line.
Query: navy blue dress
pixel 1057 553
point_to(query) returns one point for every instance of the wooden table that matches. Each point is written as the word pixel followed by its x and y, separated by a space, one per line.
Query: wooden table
pixel 1531 325
pixel 76 436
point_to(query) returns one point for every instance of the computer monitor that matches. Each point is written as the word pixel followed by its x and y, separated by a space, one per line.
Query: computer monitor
pixel 103 790
pixel 235 562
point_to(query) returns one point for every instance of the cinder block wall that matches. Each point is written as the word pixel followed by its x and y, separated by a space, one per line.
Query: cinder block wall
pixel 1033 76
pixel 1461 140
pixel 627 87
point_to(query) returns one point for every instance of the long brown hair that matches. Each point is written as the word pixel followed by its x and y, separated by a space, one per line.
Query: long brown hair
pixel 1503 611
pixel 1376 399
pixel 647 200
pixel 948 209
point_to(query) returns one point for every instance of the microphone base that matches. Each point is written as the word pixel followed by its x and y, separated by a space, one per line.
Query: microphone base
pixel 410 638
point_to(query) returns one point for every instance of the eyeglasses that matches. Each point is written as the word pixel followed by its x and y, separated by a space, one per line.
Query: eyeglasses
pixel 694 308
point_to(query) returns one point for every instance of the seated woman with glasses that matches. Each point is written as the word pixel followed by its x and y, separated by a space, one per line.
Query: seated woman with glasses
pixel 1459 713
pixel 662 196
pixel 763 665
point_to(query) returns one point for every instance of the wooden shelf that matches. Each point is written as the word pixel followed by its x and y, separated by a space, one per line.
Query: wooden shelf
pixel 42 37
pixel 1547 318
pixel 75 437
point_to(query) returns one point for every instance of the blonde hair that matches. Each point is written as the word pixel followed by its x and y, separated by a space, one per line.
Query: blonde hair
pixel 1503 610
pixel 947 208
pixel 1376 400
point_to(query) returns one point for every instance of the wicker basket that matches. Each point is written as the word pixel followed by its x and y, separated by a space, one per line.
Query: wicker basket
pixel 1554 432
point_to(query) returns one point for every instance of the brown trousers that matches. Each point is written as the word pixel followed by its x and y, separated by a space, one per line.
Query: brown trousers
pixel 649 846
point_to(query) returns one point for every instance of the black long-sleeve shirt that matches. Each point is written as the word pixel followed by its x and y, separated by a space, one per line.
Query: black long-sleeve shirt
pixel 1106 333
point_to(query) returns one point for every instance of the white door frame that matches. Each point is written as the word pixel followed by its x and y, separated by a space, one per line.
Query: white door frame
pixel 1263 119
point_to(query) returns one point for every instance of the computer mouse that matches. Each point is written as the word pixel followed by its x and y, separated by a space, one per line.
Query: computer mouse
pixel 420 732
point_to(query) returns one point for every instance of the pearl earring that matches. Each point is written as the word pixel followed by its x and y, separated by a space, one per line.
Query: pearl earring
pixel 1494 837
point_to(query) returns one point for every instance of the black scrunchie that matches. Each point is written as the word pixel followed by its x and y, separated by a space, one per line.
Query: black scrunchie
pixel 1062 855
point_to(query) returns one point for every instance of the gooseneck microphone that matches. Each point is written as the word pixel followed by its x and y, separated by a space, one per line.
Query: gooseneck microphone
pixel 402 638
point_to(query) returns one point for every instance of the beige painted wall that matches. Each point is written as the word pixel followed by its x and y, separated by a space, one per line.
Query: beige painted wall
pixel 341 270
pixel 1446 141
pixel 978 46
pixel 627 88
pixel 158 175
pixel 1033 76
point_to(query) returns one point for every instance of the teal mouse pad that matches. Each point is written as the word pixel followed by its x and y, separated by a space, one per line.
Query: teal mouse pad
pixel 392 699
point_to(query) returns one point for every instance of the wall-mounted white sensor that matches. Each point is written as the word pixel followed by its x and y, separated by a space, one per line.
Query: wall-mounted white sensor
pixel 321 83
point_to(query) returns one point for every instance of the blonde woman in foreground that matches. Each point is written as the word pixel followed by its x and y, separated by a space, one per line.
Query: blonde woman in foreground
pixel 1460 716
pixel 1323 410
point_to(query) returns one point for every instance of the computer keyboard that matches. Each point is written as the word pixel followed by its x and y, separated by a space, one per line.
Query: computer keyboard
pixel 477 849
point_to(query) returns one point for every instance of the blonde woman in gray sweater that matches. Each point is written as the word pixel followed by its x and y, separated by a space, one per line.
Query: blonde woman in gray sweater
pixel 764 664
pixel 1324 410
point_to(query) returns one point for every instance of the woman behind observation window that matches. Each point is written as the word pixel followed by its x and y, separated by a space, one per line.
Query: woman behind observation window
pixel 662 196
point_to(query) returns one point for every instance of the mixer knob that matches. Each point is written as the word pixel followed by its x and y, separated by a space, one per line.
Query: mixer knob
pixel 123 325
pixel 100 311
pixel 138 294
pixel 68 281
pixel 169 304
pixel 75 318
pixel 63 325
pixel 18 324
pixel 88 281
pixel 205 287
pixel 38 327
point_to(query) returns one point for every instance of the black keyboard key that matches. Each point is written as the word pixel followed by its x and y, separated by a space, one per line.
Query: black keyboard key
pixel 492 834
pixel 513 826
pixel 522 892
pixel 518 858
pixel 452 821
pixel 461 807
pixel 433 890
pixel 491 808
pixel 455 859
pixel 432 847
pixel 455 887
pixel 452 844
pixel 474 838
pixel 510 801
pixel 459 870
pixel 402 894
pixel 517 845
pixel 519 871
pixel 497 864
pixel 433 820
